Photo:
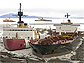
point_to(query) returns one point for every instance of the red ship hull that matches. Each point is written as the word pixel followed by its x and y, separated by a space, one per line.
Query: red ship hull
pixel 8 21
pixel 66 23
pixel 13 44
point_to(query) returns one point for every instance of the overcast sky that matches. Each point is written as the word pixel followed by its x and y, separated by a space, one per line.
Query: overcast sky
pixel 50 8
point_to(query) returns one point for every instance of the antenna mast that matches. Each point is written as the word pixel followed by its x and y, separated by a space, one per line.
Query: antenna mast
pixel 20 13
pixel 67 15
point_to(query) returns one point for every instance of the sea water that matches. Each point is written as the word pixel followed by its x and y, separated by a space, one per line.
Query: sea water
pixel 32 20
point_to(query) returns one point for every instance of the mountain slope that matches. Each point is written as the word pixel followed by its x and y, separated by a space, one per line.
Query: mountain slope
pixel 12 15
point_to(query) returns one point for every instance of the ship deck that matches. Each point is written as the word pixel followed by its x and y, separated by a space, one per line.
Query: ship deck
pixel 58 39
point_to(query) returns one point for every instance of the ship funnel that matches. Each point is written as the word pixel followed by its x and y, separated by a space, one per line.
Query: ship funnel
pixel 25 25
pixel 20 24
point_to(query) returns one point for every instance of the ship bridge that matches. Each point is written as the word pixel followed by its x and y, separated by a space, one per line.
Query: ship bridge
pixel 66 27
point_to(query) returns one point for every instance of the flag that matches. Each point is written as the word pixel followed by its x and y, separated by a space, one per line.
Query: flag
pixel 65 15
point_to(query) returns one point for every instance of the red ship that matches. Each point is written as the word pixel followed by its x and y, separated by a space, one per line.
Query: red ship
pixel 17 37
pixel 13 44
pixel 8 20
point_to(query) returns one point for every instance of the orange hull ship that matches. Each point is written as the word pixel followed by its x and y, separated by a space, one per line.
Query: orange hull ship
pixel 8 20
pixel 39 19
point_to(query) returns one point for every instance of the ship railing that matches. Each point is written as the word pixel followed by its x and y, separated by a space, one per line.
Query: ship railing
pixel 17 29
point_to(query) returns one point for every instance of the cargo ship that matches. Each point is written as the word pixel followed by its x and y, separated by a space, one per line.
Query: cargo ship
pixel 17 37
pixel 64 40
pixel 39 19
pixel 8 20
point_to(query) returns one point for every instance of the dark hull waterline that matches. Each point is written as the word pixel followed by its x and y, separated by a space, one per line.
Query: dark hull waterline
pixel 47 51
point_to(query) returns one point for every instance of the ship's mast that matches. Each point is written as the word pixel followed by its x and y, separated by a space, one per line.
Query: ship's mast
pixel 20 23
pixel 67 15
pixel 20 13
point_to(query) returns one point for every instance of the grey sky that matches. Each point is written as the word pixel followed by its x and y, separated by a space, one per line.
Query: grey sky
pixel 55 8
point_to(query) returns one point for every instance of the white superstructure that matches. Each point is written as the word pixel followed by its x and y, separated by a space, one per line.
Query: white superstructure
pixel 66 27
pixel 24 33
